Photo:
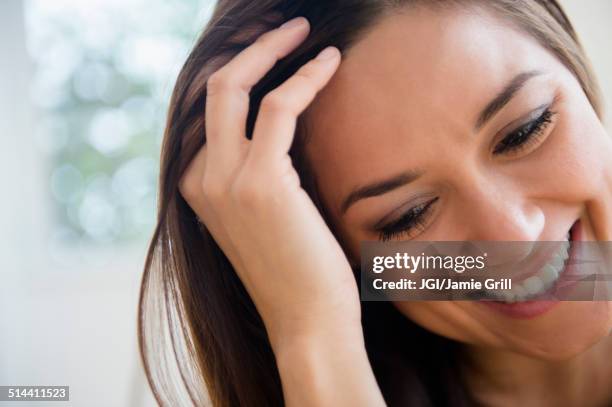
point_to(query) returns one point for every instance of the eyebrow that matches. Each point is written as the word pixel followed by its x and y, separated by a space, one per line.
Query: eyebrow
pixel 379 188
pixel 494 106
pixel 504 97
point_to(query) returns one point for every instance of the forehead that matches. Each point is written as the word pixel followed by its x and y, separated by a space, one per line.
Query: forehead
pixel 416 81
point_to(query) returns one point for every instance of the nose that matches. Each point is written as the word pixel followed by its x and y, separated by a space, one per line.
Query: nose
pixel 494 211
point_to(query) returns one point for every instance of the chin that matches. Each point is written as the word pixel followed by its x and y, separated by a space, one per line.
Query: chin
pixel 570 329
pixel 575 328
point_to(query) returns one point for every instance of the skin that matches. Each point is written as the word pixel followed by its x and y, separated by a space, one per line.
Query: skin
pixel 248 195
pixel 370 123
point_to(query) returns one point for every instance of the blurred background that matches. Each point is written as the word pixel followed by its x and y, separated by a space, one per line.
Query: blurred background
pixel 84 87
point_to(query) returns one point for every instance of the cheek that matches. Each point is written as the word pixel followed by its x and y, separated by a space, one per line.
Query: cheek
pixel 575 161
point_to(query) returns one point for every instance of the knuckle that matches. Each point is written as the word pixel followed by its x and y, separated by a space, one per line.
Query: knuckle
pixel 306 82
pixel 261 48
pixel 188 188
pixel 308 78
pixel 218 82
pixel 274 102
pixel 307 73
pixel 213 190
pixel 264 41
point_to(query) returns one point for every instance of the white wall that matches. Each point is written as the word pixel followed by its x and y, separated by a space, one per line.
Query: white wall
pixel 59 326
pixel 591 19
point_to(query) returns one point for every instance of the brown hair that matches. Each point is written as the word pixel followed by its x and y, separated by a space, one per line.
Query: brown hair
pixel 200 335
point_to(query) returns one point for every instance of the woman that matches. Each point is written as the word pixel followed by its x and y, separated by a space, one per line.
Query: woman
pixel 433 120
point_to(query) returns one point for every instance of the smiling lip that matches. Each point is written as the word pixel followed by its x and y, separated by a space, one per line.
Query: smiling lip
pixel 547 300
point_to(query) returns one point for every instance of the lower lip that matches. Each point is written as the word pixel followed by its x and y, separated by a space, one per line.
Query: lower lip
pixel 545 302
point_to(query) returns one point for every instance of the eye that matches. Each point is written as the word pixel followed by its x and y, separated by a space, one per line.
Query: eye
pixel 525 135
pixel 410 222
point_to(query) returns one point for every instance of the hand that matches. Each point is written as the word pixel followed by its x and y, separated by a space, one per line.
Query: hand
pixel 248 194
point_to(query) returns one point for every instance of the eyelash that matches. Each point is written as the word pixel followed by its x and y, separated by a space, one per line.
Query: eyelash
pixel 524 136
pixel 416 217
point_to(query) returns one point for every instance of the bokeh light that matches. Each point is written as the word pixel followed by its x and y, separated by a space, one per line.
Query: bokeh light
pixel 102 84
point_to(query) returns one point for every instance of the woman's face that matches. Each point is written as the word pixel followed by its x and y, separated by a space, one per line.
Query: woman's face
pixel 485 136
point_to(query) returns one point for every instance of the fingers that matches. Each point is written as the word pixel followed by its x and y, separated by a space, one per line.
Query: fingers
pixel 276 120
pixel 228 91
pixel 211 174
pixel 201 195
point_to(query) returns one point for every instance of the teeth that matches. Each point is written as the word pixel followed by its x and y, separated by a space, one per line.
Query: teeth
pixel 557 261
pixel 565 250
pixel 538 283
pixel 549 274
pixel 533 285
pixel 520 291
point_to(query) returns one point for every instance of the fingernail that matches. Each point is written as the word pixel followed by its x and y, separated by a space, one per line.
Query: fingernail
pixel 293 23
pixel 327 53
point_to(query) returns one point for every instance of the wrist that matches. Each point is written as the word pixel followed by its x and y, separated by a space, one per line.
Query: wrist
pixel 316 351
pixel 327 367
pixel 324 336
pixel 297 333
